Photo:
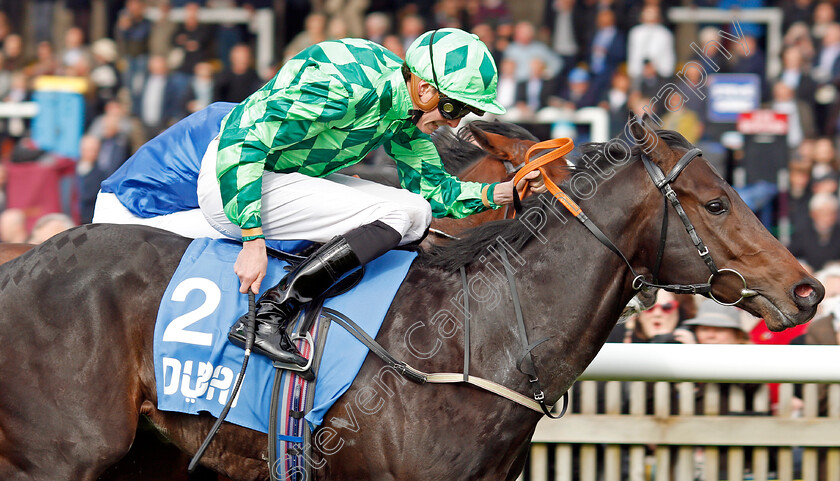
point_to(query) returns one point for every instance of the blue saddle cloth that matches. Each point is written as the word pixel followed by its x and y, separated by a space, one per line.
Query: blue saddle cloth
pixel 196 366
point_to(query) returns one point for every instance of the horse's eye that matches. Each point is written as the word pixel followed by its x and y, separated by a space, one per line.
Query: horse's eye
pixel 716 207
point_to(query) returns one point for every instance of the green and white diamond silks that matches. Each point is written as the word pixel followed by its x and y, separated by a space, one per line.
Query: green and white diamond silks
pixel 464 68
pixel 326 109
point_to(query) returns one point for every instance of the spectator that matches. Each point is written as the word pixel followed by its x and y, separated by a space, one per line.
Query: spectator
pixel 607 51
pixel 800 115
pixel 89 177
pixel 650 41
pixel 717 324
pixel 580 91
pixel 113 145
pixel 797 11
pixel 749 58
pixel 615 101
pixel 504 37
pixel 649 82
pixel 240 80
pixel 227 34
pixel 825 183
pixel 132 33
pixel 799 193
pixel 352 12
pixel 799 37
pixel 193 39
pixel 825 157
pixel 449 14
pixel 819 242
pixel 116 110
pixel 395 45
pixel 45 62
pixel 795 76
pixel 13 52
pixel 491 12
pixel 74 47
pixel 565 26
pixel 532 94
pixel 377 26
pixel 13 226
pixel 506 88
pixel 826 72
pixel 525 48
pixel 19 91
pixel 162 31
pixel 412 26
pixel 659 324
pixel 336 30
pixel 314 31
pixel 104 76
pixel 824 16
pixel 48 226
pixel 162 100
pixel 200 92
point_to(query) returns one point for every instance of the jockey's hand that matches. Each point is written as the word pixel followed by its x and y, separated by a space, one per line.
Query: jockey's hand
pixel 251 265
pixel 503 193
pixel 535 182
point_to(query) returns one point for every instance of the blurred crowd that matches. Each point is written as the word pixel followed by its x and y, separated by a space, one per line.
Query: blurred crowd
pixel 143 71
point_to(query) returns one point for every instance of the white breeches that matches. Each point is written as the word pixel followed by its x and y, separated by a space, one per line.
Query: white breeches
pixel 294 207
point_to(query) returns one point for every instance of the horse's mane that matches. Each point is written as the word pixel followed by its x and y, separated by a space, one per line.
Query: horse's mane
pixel 457 151
pixel 473 243
pixel 597 151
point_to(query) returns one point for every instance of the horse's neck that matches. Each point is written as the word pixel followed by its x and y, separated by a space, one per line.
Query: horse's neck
pixel 572 288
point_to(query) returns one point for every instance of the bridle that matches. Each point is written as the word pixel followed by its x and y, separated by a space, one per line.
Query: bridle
pixel 663 182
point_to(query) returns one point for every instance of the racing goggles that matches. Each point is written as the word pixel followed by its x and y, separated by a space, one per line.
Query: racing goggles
pixel 451 109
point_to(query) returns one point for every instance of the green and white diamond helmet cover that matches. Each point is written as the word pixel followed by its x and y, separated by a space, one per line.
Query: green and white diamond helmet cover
pixel 464 67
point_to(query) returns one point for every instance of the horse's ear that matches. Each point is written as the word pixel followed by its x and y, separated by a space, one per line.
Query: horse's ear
pixel 505 148
pixel 643 133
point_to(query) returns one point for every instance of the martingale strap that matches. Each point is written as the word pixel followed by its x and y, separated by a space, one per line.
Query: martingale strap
pixel 420 377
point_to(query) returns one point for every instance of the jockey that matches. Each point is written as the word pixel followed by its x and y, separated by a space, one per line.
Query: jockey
pixel 269 173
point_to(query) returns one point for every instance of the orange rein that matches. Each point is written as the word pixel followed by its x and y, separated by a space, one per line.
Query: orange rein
pixel 561 146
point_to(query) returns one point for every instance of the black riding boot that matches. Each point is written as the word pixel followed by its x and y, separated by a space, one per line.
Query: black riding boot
pixel 281 304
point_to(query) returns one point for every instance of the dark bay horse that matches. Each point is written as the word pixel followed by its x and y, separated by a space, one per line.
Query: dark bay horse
pixel 480 152
pixel 77 315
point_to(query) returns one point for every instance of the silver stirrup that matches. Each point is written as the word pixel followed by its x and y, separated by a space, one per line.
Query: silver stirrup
pixel 307 338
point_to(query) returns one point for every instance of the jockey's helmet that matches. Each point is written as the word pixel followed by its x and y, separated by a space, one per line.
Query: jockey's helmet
pixel 460 67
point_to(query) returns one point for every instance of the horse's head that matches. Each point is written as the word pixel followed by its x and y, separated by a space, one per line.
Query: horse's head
pixel 777 288
pixel 509 144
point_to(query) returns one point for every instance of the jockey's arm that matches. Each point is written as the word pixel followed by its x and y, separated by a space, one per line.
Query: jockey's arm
pixel 421 171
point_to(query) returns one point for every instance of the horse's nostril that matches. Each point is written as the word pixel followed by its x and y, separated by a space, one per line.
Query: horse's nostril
pixel 803 290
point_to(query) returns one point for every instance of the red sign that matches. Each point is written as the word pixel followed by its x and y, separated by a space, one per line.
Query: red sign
pixel 762 122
